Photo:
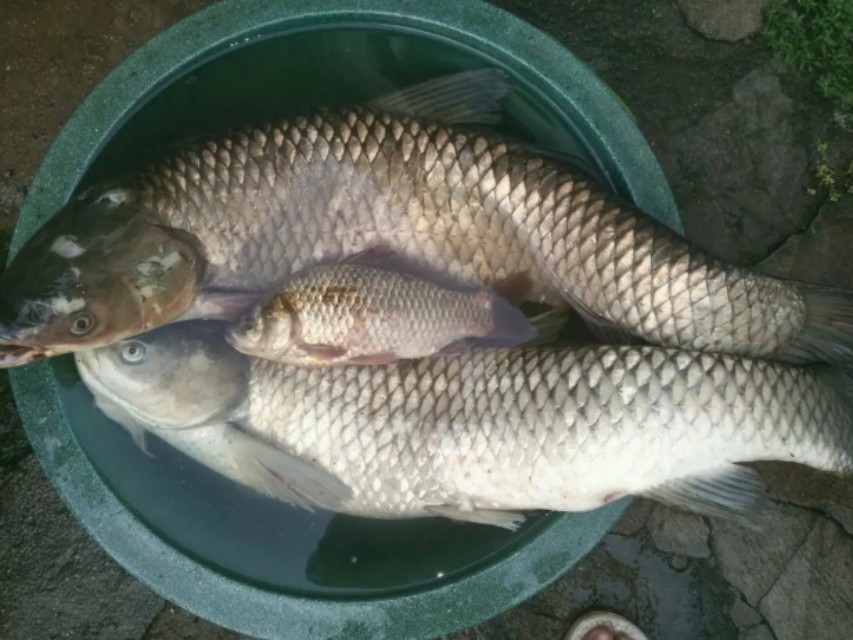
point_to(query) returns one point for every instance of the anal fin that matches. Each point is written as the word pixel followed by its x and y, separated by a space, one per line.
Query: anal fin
pixel 454 348
pixel 730 491
pixel 138 431
pixel 547 326
pixel 604 330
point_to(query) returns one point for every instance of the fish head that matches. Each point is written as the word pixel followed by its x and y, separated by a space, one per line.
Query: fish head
pixel 102 269
pixel 269 330
pixel 180 375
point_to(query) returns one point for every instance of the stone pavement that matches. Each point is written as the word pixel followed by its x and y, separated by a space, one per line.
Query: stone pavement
pixel 737 137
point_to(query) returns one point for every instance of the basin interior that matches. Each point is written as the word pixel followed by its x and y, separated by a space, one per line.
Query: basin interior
pixel 228 528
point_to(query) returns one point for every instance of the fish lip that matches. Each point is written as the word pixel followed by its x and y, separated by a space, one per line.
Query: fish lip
pixel 235 341
pixel 88 368
pixel 16 355
pixel 233 333
pixel 244 344
pixel 86 371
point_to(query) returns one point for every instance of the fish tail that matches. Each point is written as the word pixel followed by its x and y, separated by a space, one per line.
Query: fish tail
pixel 547 326
pixel 514 288
pixel 509 327
pixel 828 333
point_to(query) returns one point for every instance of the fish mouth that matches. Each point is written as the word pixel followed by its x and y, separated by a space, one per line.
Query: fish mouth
pixel 237 340
pixel 89 368
pixel 15 355
pixel 248 344
pixel 88 371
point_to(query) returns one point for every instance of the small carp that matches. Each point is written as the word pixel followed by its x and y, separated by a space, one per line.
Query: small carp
pixel 374 309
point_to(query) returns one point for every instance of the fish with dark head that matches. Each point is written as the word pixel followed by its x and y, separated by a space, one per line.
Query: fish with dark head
pixel 101 270
pixel 408 172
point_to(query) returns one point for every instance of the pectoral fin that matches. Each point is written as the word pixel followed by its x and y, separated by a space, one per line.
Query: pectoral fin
pixel 323 352
pixel 137 430
pixel 547 326
pixel 282 475
pixel 454 348
pixel 384 357
pixel 220 304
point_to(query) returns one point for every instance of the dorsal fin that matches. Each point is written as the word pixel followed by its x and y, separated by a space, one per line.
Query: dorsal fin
pixel 471 97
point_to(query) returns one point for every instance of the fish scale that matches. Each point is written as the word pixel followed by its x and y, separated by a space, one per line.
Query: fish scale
pixel 464 204
pixel 376 307
pixel 509 430
pixel 408 172
pixel 382 201
pixel 460 438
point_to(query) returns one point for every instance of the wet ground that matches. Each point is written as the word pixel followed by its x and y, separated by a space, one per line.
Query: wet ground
pixel 737 137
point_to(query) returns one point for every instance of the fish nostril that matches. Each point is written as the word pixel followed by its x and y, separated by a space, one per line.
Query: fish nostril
pixel 246 323
pixel 34 315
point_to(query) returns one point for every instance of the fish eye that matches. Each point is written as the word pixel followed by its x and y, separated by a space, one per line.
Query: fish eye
pixel 82 324
pixel 133 351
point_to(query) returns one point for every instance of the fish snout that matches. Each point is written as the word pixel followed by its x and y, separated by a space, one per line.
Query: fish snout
pixel 15 356
pixel 18 327
pixel 243 334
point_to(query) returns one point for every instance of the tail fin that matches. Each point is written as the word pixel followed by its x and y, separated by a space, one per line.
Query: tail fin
pixel 547 326
pixel 510 327
pixel 828 334
pixel 514 288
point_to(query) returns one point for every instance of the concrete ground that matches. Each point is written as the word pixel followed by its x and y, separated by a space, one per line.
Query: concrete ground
pixel 737 137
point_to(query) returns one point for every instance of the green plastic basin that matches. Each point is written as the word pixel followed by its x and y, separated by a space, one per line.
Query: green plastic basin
pixel 237 559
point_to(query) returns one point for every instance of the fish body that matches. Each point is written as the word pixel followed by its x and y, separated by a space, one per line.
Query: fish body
pixel 499 431
pixel 365 311
pixel 409 173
